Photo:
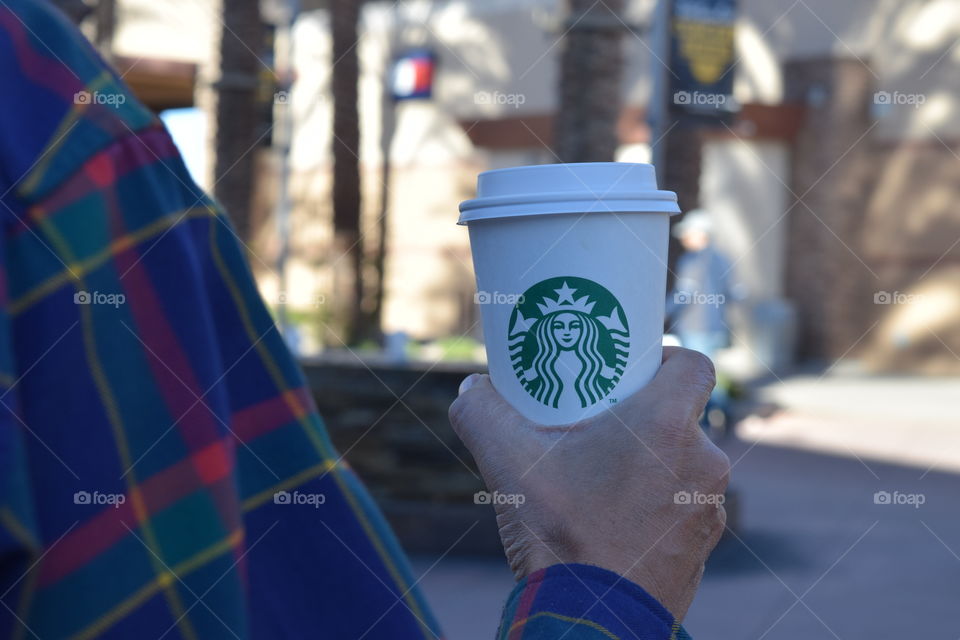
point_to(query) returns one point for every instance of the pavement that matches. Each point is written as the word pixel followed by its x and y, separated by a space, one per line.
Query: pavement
pixel 903 420
pixel 848 490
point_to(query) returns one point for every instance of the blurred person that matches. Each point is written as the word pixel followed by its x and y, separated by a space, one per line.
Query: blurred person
pixel 163 469
pixel 697 305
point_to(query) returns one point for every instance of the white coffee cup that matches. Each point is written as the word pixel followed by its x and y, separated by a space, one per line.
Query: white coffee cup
pixel 571 264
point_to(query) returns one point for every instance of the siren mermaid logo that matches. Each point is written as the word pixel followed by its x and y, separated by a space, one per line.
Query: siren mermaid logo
pixel 568 341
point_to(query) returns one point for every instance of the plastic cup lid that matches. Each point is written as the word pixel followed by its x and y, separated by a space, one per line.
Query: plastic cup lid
pixel 588 187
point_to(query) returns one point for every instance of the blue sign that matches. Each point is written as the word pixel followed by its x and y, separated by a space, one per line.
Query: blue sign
pixel 702 58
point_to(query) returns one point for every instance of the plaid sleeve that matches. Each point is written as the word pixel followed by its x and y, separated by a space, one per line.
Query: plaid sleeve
pixel 163 469
pixel 19 545
pixel 583 602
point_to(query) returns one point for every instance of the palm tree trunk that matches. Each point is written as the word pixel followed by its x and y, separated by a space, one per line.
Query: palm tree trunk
pixel 238 113
pixel 106 13
pixel 348 241
pixel 590 77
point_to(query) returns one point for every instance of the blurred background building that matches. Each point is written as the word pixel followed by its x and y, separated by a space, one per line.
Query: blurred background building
pixel 834 184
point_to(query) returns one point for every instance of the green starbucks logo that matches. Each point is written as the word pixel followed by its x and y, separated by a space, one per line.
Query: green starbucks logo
pixel 568 342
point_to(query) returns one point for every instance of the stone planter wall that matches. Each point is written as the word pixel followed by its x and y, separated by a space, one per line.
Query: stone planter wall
pixel 390 421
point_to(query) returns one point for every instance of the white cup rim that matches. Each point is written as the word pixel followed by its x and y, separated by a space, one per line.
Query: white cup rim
pixel 506 193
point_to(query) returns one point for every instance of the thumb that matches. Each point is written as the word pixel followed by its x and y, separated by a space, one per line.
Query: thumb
pixel 685 378
pixel 482 418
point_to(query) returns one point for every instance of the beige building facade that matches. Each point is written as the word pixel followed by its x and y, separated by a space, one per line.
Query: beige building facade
pixel 836 185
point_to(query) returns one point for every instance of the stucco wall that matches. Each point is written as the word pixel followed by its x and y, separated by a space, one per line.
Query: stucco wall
pixel 486 48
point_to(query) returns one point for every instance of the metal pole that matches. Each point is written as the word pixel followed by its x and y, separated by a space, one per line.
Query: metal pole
pixel 283 137
pixel 659 110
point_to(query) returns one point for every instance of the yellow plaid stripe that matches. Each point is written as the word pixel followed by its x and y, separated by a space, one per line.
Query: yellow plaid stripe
pixel 109 401
pixel 40 169
pixel 83 267
pixel 161 581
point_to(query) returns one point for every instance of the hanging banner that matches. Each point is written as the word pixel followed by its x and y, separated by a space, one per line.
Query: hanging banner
pixel 702 58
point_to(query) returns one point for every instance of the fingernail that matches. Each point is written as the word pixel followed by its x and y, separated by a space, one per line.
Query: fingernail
pixel 468 382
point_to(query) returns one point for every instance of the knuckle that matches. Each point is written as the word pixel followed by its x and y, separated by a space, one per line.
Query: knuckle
pixel 715 466
pixel 721 517
pixel 699 368
pixel 718 462
pixel 702 371
pixel 458 413
pixel 718 524
pixel 694 385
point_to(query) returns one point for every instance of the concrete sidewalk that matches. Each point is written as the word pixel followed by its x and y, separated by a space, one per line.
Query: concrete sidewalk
pixel 913 421
pixel 817 554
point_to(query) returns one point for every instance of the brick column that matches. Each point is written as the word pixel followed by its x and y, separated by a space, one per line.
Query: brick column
pixel 832 177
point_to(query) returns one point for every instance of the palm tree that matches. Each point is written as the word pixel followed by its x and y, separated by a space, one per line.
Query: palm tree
pixel 106 16
pixel 239 120
pixel 348 240
pixel 590 77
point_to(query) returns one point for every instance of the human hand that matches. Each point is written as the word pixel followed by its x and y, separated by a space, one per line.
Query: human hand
pixel 610 490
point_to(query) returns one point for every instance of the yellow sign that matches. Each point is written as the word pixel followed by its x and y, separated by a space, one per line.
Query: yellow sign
pixel 706 47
